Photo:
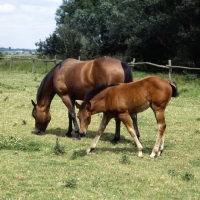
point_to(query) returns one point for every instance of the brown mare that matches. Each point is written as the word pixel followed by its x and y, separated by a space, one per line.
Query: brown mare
pixel 72 80
pixel 120 100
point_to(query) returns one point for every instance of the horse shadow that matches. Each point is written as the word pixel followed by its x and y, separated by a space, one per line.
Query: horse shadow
pixel 106 137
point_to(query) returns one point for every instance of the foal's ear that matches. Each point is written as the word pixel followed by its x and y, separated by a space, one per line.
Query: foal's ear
pixel 88 105
pixel 77 105
pixel 33 103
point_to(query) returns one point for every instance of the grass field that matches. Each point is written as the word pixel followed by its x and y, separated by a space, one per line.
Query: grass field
pixel 52 166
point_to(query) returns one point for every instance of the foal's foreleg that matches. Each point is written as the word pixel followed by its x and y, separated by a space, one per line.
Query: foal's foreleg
pixel 159 145
pixel 101 128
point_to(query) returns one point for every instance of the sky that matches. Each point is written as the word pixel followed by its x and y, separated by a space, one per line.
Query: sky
pixel 23 23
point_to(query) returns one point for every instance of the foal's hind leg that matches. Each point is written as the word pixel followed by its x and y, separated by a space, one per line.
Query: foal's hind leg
pixel 159 145
pixel 125 117
pixel 101 128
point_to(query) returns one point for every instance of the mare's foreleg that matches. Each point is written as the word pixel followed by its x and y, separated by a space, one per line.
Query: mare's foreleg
pixel 159 145
pixel 69 132
pixel 72 115
pixel 76 127
pixel 105 120
pixel 125 117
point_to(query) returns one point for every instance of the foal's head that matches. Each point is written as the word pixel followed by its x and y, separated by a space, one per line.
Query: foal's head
pixel 84 116
pixel 42 118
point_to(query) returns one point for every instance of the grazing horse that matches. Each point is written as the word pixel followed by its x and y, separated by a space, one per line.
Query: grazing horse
pixel 120 100
pixel 72 80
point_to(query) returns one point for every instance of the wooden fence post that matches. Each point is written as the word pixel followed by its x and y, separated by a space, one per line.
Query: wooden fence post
pixel 133 63
pixel 46 63
pixel 170 70
pixel 33 65
pixel 11 62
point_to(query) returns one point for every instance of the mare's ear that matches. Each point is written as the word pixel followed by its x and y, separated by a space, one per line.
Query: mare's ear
pixel 88 105
pixel 77 105
pixel 33 103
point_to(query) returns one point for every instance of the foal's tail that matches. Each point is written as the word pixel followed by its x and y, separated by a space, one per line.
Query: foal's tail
pixel 174 88
pixel 128 76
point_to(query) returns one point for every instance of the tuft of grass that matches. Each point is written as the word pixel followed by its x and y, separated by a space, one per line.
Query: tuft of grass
pixel 24 122
pixel 6 98
pixel 124 159
pixel 71 183
pixel 173 172
pixel 75 155
pixel 16 143
pixel 59 149
pixel 188 176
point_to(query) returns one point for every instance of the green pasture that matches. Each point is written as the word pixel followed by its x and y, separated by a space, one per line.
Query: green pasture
pixel 52 166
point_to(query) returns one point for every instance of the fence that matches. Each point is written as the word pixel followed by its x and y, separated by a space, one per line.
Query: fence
pixel 132 64
pixel 33 59
pixel 168 66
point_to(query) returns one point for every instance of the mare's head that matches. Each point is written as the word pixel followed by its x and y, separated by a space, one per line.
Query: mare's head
pixel 42 118
pixel 84 116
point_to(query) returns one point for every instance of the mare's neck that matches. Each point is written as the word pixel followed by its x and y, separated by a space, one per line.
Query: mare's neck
pixel 46 96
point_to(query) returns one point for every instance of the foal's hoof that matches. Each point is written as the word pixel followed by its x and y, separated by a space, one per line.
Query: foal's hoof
pixel 140 155
pixel 89 150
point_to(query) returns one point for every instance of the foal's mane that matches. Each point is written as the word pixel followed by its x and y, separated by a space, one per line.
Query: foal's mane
pixel 92 93
pixel 45 80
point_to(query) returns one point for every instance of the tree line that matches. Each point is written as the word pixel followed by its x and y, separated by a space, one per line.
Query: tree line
pixel 149 30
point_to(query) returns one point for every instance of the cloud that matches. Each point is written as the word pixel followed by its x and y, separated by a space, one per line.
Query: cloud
pixel 6 8
pixel 23 23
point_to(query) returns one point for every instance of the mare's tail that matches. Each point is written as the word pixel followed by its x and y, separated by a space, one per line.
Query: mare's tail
pixel 128 76
pixel 174 88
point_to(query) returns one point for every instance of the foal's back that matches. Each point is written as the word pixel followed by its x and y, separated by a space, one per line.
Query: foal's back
pixel 140 95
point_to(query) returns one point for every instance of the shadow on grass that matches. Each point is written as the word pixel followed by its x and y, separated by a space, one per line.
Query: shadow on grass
pixel 106 136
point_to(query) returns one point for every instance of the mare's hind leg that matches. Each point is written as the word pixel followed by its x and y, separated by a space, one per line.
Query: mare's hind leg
pixel 159 145
pixel 127 121
pixel 101 128
pixel 134 119
pixel 117 130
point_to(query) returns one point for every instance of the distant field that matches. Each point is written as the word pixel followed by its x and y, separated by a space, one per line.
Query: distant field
pixel 42 167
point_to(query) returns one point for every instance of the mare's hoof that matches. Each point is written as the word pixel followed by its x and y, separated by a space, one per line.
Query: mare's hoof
pixel 68 134
pixel 76 138
pixel 82 135
pixel 114 141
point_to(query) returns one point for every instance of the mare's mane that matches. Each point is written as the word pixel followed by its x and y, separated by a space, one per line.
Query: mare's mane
pixel 96 90
pixel 44 81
